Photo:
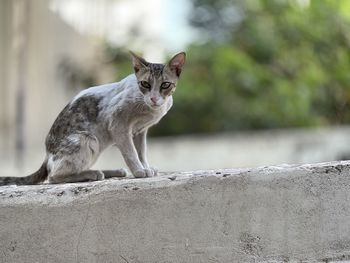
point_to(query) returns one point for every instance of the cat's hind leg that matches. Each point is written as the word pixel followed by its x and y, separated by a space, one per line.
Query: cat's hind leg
pixel 114 173
pixel 73 159
pixel 71 169
pixel 85 176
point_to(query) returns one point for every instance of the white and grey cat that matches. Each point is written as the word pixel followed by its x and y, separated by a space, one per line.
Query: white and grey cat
pixel 112 114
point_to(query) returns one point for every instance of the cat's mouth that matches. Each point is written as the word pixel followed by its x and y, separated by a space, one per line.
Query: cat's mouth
pixel 154 106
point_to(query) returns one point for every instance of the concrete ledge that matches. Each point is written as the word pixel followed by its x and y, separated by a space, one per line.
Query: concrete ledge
pixel 270 214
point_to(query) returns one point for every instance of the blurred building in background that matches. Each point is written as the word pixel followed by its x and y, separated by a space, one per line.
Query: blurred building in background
pixel 44 61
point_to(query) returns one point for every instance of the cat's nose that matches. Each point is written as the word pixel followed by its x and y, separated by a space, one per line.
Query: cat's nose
pixel 154 100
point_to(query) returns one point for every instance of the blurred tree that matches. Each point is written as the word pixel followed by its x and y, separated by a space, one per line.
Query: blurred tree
pixel 264 64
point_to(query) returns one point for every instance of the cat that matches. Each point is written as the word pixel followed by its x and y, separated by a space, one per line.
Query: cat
pixel 112 114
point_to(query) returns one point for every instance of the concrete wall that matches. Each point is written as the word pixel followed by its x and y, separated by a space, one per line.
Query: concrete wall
pixel 269 214
pixel 243 149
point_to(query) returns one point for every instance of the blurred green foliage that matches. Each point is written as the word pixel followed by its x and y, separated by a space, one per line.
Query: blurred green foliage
pixel 264 64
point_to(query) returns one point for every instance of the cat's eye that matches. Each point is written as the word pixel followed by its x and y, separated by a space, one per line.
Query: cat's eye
pixel 145 84
pixel 165 85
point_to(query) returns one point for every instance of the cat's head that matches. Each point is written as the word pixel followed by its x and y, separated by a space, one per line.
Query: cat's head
pixel 157 82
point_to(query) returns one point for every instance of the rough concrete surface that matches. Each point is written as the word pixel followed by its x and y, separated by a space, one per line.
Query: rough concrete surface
pixel 270 214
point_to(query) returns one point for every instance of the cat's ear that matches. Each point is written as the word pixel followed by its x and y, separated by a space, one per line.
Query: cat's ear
pixel 176 63
pixel 138 62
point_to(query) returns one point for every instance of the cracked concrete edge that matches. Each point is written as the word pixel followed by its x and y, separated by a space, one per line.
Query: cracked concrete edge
pixel 62 194
pixel 283 213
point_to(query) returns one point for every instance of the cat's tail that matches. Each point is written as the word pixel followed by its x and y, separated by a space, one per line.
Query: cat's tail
pixel 35 178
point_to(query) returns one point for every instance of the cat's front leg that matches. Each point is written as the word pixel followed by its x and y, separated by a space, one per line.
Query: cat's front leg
pixel 141 148
pixel 129 153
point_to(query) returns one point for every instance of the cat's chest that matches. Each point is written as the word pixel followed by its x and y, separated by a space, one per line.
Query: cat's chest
pixel 143 123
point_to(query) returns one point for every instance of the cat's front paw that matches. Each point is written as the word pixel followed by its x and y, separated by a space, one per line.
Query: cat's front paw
pixel 100 176
pixel 147 172
pixel 154 170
